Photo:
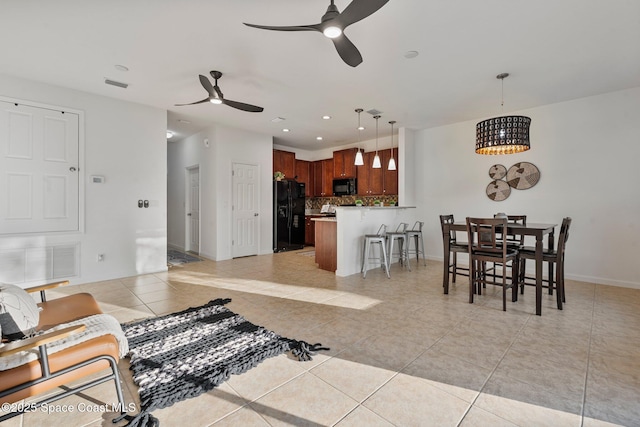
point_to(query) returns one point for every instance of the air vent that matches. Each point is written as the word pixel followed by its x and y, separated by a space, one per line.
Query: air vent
pixel 115 83
pixel 374 112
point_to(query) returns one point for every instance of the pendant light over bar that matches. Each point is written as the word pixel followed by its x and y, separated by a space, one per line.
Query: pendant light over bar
pixel 359 159
pixel 376 159
pixel 392 161
pixel 505 134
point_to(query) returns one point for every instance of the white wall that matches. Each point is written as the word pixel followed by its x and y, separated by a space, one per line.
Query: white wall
pixel 125 143
pixel 226 146
pixel 587 151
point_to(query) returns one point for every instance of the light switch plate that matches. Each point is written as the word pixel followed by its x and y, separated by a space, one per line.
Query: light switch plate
pixel 97 179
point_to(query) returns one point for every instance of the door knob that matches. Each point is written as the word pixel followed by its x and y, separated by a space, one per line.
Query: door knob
pixel 72 169
pixel 255 214
pixel 189 214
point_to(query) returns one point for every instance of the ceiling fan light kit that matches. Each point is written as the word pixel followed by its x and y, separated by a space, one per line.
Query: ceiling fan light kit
pixel 505 134
pixel 332 25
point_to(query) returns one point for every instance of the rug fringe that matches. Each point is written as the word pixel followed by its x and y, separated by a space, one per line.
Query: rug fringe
pixel 143 419
pixel 303 351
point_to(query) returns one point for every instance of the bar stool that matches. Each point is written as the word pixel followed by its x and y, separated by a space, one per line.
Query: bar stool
pixel 375 239
pixel 415 234
pixel 400 235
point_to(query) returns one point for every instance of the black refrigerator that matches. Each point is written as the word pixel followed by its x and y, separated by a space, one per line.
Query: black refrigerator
pixel 288 215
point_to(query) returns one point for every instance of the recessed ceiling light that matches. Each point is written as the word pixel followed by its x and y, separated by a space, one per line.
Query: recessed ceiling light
pixel 184 121
pixel 326 117
pixel 169 134
pixel 285 130
pixel 411 54
pixel 121 67
pixel 319 138
pixel 361 128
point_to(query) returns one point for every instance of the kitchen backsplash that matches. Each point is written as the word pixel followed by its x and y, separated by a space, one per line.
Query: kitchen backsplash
pixel 317 202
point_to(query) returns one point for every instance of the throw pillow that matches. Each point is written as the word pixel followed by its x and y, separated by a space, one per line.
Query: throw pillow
pixel 19 313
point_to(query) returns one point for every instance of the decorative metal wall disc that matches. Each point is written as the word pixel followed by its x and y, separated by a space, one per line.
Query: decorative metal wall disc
pixel 497 171
pixel 523 175
pixel 498 190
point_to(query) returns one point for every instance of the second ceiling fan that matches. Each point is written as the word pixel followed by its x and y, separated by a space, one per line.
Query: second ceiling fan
pixel 333 24
pixel 216 96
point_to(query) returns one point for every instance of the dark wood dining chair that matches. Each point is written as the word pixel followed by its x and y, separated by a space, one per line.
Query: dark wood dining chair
pixel 488 243
pixel 513 240
pixel 553 257
pixel 455 247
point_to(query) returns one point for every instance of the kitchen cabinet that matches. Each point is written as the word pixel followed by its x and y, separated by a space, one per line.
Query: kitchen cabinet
pixel 284 161
pixel 390 178
pixel 377 182
pixel 344 163
pixel 309 231
pixel 323 178
pixel 302 172
pixel 370 180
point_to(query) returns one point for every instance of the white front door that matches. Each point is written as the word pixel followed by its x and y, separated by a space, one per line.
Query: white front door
pixel 39 170
pixel 193 211
pixel 246 220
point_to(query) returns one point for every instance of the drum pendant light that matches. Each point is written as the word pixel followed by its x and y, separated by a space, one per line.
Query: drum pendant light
pixel 505 134
pixel 376 158
pixel 392 161
pixel 359 159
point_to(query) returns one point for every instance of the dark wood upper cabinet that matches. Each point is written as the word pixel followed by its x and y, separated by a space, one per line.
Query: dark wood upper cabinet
pixel 377 182
pixel 369 179
pixel 302 172
pixel 284 161
pixel 390 181
pixel 327 177
pixel 344 163
pixel 323 176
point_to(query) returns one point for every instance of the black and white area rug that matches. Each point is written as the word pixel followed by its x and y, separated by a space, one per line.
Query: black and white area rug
pixel 182 355
pixel 175 257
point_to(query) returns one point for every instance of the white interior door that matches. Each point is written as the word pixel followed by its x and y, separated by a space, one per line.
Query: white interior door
pixel 246 224
pixel 39 170
pixel 193 211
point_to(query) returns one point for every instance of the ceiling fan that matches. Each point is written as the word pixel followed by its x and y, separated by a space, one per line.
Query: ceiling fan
pixel 333 24
pixel 216 97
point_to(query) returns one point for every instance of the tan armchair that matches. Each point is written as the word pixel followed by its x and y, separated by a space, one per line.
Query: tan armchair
pixel 50 371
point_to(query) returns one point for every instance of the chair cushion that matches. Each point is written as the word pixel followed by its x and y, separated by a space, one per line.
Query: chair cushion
pixel 510 253
pixel 531 250
pixel 19 313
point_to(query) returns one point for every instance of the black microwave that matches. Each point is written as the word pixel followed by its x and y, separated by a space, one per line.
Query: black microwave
pixel 344 187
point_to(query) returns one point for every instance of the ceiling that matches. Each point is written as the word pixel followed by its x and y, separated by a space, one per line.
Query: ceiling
pixel 554 50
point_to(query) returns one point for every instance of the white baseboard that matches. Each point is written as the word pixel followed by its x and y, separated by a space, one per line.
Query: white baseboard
pixel 576 277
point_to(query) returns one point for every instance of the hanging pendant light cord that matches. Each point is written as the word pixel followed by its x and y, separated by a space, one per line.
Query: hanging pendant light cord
pixel 376 117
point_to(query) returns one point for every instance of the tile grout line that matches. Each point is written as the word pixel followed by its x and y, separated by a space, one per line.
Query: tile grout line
pixel 586 375
pixel 494 370
pixel 360 404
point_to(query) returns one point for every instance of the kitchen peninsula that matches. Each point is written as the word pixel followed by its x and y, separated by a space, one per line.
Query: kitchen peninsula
pixel 343 235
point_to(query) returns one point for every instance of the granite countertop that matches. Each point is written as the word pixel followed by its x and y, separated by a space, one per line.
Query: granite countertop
pixel 375 207
pixel 324 218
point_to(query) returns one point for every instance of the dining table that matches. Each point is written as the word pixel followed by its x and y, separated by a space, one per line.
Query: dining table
pixel 538 230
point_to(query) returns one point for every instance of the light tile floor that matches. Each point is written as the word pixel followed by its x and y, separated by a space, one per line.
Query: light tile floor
pixel 402 353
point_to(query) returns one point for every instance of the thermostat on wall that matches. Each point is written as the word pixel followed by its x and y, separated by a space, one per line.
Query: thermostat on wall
pixel 97 179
